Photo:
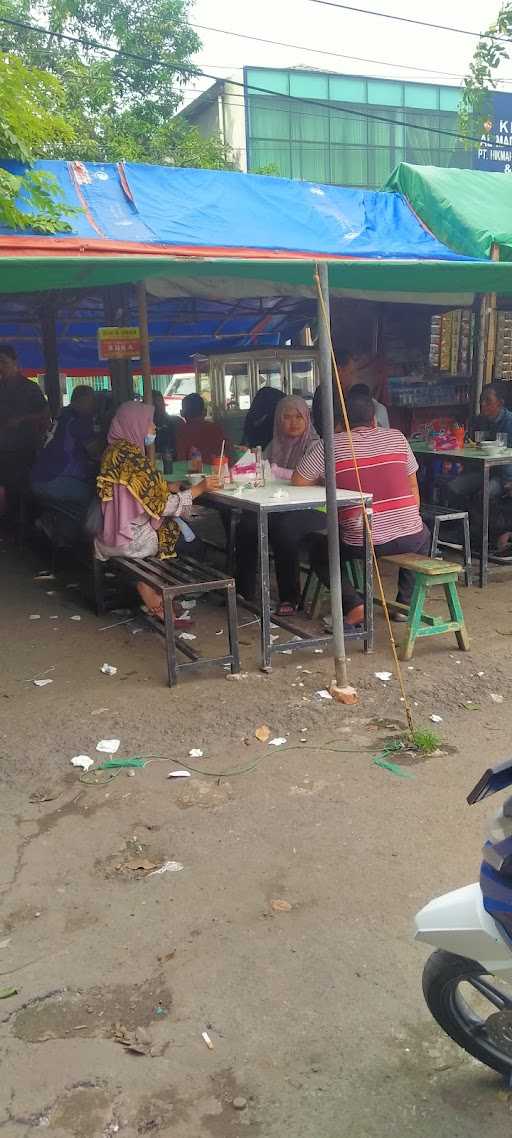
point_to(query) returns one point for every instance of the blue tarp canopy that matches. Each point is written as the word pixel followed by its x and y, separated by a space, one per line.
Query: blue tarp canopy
pixel 215 213
pixel 229 256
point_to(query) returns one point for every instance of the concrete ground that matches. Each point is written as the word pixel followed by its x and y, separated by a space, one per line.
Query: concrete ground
pixel 314 1011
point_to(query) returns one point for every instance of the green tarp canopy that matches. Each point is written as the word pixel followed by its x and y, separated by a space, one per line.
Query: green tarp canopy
pixel 468 210
pixel 35 274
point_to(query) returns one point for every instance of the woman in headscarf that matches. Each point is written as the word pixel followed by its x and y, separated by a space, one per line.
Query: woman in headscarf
pixel 143 516
pixel 292 437
pixel 259 421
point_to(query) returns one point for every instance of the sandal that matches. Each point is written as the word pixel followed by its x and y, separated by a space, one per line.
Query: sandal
pixel 285 609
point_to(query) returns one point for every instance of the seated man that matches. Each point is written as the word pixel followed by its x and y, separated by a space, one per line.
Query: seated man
pixel 197 433
pixel 494 419
pixel 387 469
pixel 65 470
pixel 24 418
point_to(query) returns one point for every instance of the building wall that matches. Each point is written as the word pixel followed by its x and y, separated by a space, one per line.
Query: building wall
pixel 387 123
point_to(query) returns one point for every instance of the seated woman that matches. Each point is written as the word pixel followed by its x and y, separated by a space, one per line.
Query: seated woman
pixel 293 435
pixel 65 469
pixel 143 516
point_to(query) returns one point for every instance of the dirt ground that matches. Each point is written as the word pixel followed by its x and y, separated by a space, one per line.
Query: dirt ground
pixel 314 1011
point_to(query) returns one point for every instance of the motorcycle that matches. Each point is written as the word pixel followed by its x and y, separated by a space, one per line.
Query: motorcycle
pixel 467 981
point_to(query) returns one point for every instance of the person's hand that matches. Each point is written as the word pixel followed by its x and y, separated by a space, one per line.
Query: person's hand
pixel 210 482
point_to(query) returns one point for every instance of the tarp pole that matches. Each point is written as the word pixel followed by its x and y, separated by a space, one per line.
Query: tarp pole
pixel 51 357
pixel 145 359
pixel 333 533
pixel 480 362
pixel 490 350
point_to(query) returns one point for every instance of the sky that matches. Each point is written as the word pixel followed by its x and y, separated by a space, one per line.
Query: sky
pixel 308 25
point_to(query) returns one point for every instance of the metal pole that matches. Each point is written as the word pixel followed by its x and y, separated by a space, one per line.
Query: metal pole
pixel 333 533
pixel 480 363
pixel 145 361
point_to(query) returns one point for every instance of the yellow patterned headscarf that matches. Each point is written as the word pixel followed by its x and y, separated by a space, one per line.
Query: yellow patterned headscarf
pixel 125 464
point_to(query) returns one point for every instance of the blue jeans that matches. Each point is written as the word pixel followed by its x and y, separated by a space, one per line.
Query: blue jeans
pixel 64 489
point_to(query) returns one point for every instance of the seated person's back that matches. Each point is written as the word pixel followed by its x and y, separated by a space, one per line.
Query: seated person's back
pixel 196 432
pixel 65 468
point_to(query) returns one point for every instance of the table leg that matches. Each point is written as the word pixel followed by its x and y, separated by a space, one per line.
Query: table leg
pixel 233 521
pixel 368 588
pixel 484 538
pixel 266 654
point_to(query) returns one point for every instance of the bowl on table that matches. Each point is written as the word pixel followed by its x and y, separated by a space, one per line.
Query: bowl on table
pixel 490 449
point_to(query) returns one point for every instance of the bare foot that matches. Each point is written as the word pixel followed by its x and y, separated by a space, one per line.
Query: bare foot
pixel 152 599
pixel 355 616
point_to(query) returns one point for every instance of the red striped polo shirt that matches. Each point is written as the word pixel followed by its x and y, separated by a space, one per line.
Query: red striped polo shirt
pixel 385 461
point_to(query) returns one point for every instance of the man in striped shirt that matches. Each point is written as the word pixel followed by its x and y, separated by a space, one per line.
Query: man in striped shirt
pixel 387 469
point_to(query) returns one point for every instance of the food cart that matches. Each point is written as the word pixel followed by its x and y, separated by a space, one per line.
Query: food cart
pixel 229 381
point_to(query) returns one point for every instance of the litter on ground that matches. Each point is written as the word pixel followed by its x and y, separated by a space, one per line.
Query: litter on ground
pixel 108 746
pixel 75 617
pixel 41 683
pixel 436 718
pixel 187 636
pixel 195 753
pixel 82 761
pixel 108 669
pixel 206 1037
pixel 263 733
pixel 277 742
pixel 496 698
pixel 323 694
pixel 35 616
pixel 167 867
pixel 178 774
pixel 385 676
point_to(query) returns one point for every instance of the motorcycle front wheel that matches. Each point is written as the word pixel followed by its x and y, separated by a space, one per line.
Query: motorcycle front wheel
pixel 472 1007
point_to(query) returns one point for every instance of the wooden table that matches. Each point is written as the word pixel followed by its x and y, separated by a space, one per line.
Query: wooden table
pixel 278 498
pixel 483 463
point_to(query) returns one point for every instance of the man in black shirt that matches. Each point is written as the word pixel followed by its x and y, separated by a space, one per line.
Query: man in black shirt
pixel 24 417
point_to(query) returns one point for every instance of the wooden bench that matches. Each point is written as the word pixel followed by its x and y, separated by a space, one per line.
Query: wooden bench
pixel 176 577
pixel 428 574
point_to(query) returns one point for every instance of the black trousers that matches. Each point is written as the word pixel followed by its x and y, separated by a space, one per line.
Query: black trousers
pixel 410 543
pixel 288 533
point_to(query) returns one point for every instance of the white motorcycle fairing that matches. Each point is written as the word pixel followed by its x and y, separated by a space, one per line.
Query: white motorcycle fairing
pixel 458 922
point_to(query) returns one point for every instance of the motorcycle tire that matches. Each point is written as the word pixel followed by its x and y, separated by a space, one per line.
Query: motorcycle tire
pixel 442 975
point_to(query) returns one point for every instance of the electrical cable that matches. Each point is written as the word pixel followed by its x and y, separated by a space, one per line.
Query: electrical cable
pixel 190 71
pixel 322 51
pixel 410 20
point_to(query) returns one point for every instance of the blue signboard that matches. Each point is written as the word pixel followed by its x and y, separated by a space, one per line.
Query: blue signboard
pixel 495 151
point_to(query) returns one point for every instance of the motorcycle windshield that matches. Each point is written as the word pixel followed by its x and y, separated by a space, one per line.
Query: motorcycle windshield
pixel 495 779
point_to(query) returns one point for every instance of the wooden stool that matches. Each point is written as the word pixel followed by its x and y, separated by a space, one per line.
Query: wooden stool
pixel 429 573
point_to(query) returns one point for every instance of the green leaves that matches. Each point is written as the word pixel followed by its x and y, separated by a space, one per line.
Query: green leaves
pixel 489 53
pixel 30 123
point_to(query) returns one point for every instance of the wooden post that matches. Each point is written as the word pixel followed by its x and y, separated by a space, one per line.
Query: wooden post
pixel 116 310
pixel 145 358
pixel 51 357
